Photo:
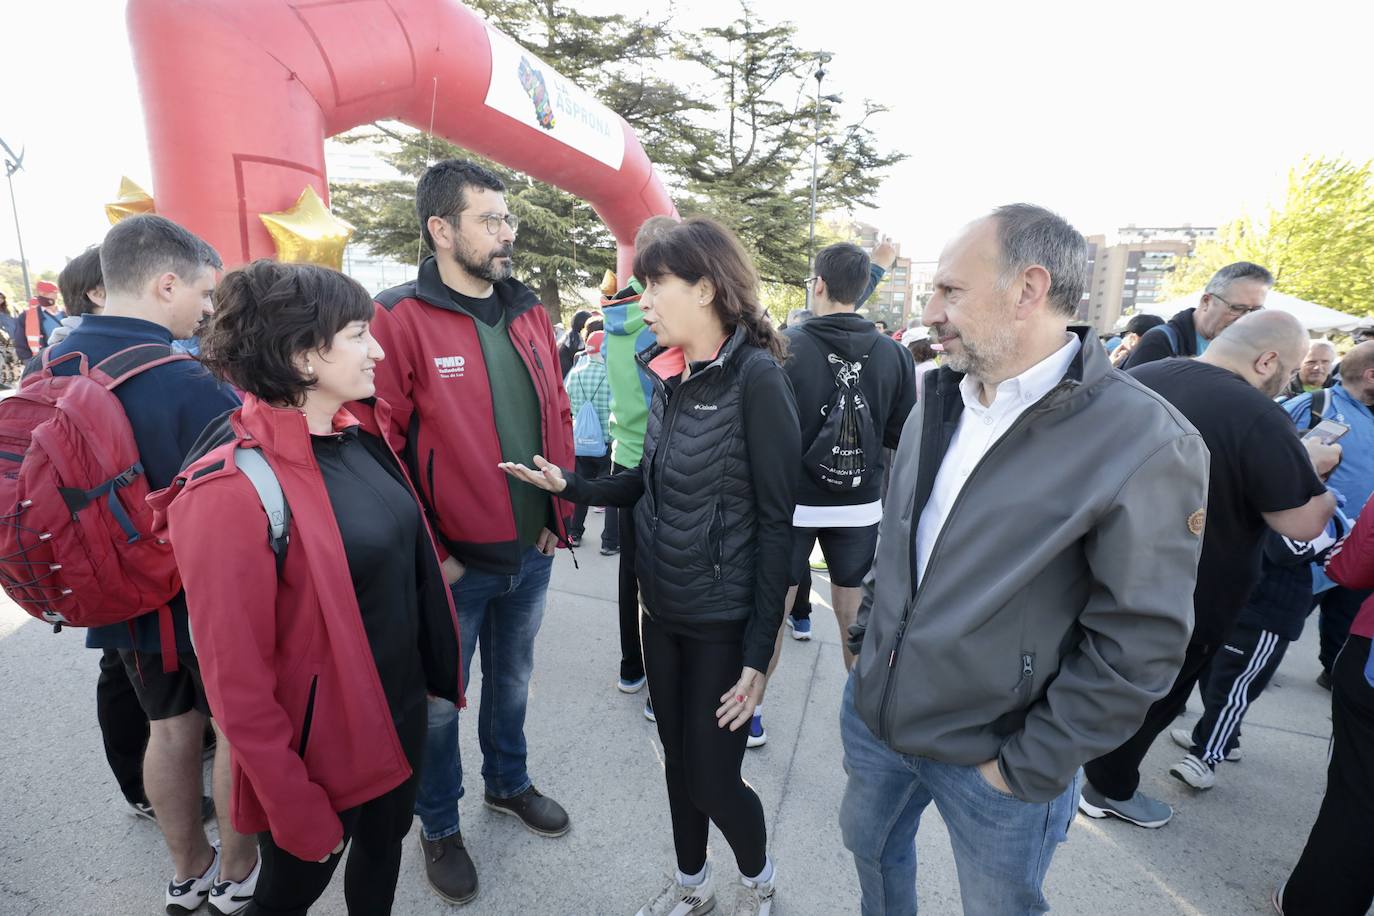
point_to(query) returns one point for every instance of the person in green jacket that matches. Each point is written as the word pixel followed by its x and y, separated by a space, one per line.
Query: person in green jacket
pixel 626 336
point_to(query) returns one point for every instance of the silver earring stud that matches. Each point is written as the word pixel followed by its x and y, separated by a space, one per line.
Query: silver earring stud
pixel 310 369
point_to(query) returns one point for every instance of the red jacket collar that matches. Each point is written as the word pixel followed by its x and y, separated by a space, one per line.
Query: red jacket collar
pixel 284 433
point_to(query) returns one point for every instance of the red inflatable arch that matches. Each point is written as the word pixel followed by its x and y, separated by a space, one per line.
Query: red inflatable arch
pixel 239 96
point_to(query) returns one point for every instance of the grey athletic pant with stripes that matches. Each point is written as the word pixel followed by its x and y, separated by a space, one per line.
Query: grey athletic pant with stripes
pixel 1239 672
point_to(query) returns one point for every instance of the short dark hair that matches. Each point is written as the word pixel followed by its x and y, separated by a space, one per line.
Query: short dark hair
pixel 1031 235
pixel 921 348
pixel 440 191
pixel 139 248
pixel 81 275
pixel 268 313
pixel 1139 324
pixel 844 268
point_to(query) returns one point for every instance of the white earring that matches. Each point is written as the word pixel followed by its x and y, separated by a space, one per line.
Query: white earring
pixel 310 369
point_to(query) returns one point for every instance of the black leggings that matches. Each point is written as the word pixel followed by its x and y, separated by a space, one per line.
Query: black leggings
pixel 373 832
pixel 687 677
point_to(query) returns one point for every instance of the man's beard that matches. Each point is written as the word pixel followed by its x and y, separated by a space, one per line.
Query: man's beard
pixel 982 359
pixel 1274 385
pixel 490 268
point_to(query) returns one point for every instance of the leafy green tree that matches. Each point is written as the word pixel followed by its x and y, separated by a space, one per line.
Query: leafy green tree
pixel 1319 244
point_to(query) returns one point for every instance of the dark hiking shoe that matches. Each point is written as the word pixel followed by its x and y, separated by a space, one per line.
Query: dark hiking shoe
pixel 544 816
pixel 449 868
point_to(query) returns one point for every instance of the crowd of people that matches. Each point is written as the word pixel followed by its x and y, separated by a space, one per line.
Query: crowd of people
pixel 1036 550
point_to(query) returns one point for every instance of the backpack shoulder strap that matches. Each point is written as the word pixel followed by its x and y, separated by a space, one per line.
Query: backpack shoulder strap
pixel 1171 332
pixel 1321 402
pixel 33 328
pixel 264 480
pixel 118 368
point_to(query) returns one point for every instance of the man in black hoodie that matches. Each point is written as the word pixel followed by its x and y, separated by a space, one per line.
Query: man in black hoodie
pixel 835 342
pixel 1233 292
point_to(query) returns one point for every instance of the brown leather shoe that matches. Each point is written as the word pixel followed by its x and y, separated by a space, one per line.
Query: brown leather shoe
pixel 449 868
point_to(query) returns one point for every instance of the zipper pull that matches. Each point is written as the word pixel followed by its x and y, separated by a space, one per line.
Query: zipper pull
pixel 1027 669
pixel 896 643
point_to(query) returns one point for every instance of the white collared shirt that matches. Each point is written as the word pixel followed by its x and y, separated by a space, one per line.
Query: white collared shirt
pixel 980 427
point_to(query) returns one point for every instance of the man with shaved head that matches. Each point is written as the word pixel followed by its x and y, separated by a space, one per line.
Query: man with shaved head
pixel 1349 402
pixel 1262 476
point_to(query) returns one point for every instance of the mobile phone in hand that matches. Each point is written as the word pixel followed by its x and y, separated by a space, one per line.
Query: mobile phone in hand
pixel 1327 432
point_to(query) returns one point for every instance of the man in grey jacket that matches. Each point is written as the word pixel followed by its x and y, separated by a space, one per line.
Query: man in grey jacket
pixel 1012 627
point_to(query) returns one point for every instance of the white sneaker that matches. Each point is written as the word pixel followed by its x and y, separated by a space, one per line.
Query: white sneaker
pixel 754 899
pixel 1194 772
pixel 682 899
pixel 1184 739
pixel 230 897
pixel 187 896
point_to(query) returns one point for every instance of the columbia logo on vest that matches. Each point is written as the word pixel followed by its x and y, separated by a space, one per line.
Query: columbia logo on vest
pixel 704 407
pixel 450 366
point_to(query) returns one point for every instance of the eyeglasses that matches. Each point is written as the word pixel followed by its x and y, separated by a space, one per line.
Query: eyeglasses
pixel 1238 309
pixel 809 281
pixel 493 221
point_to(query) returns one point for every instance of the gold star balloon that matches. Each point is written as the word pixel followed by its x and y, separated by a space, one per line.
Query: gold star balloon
pixel 308 232
pixel 132 201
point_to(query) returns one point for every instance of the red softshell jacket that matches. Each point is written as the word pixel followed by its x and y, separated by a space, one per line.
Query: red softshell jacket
pixel 287 666
pixel 442 412
pixel 1351 564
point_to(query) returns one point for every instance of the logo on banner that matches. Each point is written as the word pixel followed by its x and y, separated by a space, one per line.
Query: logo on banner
pixel 527 89
pixel 533 81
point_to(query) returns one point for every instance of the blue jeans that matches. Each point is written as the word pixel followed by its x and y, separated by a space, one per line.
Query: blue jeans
pixel 503 614
pixel 1002 845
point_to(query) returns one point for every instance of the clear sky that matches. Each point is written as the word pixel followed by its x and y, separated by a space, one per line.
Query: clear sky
pixel 1151 113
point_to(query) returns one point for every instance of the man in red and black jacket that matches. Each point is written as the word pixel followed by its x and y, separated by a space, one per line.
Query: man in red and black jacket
pixel 472 377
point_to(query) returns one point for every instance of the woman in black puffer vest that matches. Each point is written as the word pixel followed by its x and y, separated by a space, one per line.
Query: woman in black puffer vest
pixel 713 500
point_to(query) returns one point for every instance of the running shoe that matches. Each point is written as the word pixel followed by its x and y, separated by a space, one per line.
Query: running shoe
pixel 801 629
pixel 758 735
pixel 1139 809
pixel 231 897
pixel 754 899
pixel 649 709
pixel 628 685
pixel 1184 739
pixel 186 896
pixel 678 899
pixel 1194 772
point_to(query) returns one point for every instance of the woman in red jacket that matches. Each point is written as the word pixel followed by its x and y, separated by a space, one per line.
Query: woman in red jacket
pixel 1334 876
pixel 317 655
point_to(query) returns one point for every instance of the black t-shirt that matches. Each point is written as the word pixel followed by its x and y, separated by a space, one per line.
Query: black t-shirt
pixel 1258 465
pixel 379 523
pixel 488 310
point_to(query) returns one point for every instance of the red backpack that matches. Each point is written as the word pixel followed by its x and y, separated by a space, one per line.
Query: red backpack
pixel 76 543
